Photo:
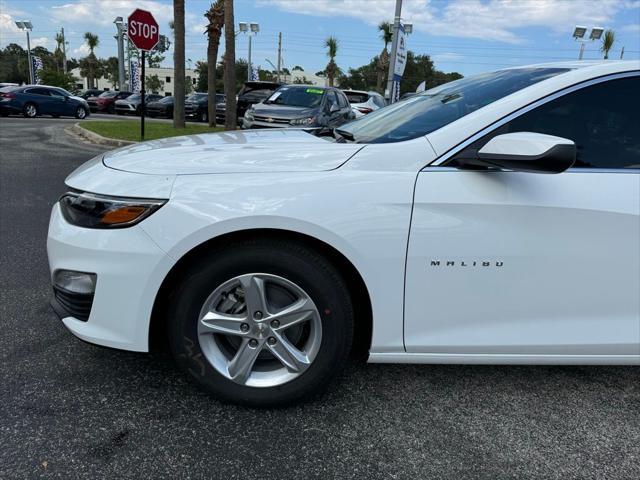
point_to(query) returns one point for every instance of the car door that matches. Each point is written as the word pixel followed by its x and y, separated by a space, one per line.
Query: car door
pixel 40 96
pixel 531 267
pixel 60 103
pixel 345 108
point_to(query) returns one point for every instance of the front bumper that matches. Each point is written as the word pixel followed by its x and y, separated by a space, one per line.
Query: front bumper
pixel 129 267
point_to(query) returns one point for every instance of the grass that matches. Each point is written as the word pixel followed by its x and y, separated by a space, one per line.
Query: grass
pixel 129 130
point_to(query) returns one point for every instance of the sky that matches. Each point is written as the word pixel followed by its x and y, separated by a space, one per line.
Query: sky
pixel 468 36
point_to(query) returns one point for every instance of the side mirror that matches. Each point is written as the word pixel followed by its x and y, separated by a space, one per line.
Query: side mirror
pixel 527 152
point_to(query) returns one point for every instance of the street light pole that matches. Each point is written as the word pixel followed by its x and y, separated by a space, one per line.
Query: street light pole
pixel 27 27
pixel 249 61
pixel 64 52
pixel 279 55
pixel 394 46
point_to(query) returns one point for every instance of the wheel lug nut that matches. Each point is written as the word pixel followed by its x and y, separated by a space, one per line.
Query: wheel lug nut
pixel 272 340
pixel 244 327
pixel 253 343
pixel 275 323
pixel 257 315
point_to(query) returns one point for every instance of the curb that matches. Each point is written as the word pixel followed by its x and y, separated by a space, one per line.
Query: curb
pixel 97 139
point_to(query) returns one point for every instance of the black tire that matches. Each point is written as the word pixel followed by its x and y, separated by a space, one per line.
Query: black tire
pixel 120 113
pixel 30 110
pixel 111 109
pixel 300 265
pixel 81 113
pixel 203 117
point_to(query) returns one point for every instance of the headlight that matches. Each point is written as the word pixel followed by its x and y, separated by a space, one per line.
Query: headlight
pixel 302 121
pixel 98 211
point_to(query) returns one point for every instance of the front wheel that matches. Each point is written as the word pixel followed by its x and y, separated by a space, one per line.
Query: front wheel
pixel 81 113
pixel 261 323
pixel 204 117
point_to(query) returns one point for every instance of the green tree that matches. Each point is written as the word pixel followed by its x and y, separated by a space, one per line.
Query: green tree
pixel 13 64
pixel 331 44
pixel 58 78
pixel 215 15
pixel 58 54
pixel 90 66
pixel 110 69
pixel 608 40
pixel 386 34
pixel 153 84
pixel 302 81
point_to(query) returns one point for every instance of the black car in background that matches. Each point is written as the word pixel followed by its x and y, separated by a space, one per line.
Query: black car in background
pixel 196 106
pixel 304 106
pixel 252 93
pixel 161 108
pixel 34 100
pixel 132 105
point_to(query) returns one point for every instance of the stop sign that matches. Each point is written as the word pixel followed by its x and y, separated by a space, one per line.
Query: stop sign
pixel 143 30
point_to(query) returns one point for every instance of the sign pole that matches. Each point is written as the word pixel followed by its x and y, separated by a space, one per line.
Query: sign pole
pixel 142 92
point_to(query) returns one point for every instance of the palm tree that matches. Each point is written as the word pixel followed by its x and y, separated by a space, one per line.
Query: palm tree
pixel 230 122
pixel 178 64
pixel 91 60
pixel 386 33
pixel 607 43
pixel 215 15
pixel 332 49
pixel 58 53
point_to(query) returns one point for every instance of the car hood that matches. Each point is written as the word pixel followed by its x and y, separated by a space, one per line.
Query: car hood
pixel 283 111
pixel 282 150
pixel 79 99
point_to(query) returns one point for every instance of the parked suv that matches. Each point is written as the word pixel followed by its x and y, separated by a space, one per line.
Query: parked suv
pixel 106 101
pixel 364 102
pixel 161 108
pixel 132 105
pixel 300 106
pixel 252 93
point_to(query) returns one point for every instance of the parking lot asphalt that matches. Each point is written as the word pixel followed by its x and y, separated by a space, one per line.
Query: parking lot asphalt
pixel 72 410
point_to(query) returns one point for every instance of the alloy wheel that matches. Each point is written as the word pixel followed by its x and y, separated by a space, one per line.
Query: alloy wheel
pixel 31 110
pixel 259 330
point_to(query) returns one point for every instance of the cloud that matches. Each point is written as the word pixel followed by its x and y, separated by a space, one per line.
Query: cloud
pixel 82 50
pixel 497 20
pixel 446 57
pixel 39 42
pixel 102 12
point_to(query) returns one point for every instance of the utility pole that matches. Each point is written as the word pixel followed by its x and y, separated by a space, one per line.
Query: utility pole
pixel 31 79
pixel 64 52
pixel 279 55
pixel 120 38
pixel 394 47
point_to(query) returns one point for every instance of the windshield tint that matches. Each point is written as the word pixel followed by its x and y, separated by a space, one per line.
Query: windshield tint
pixel 356 97
pixel 308 97
pixel 108 94
pixel 424 113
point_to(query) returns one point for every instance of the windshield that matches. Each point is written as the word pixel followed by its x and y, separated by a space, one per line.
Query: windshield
pixel 133 98
pixel 424 113
pixel 197 97
pixel 308 97
pixel 168 99
pixel 108 94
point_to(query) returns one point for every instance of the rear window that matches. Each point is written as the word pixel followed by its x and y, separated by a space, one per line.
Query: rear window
pixel 356 97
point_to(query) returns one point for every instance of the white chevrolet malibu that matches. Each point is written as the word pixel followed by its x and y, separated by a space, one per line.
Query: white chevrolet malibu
pixel 495 219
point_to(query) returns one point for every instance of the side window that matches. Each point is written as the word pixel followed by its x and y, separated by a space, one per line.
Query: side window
pixel 601 119
pixel 331 99
pixel 38 91
pixel 342 100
